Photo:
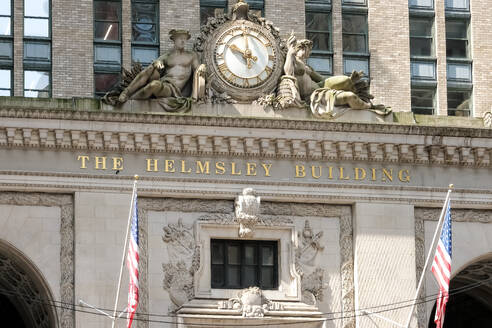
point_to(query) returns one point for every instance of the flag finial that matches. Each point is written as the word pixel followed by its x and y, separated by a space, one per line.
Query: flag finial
pixel 451 186
pixel 136 176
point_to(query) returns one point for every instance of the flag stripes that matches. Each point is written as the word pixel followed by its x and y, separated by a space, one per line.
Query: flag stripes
pixel 132 263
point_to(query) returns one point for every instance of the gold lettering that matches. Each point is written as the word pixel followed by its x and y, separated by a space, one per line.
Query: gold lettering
pixel 169 166
pixel 341 174
pixel 250 168
pixel 100 161
pixel 202 168
pixel 373 174
pixel 117 163
pixel 362 176
pixel 267 168
pixel 151 165
pixel 404 176
pixel 388 174
pixel 220 168
pixel 313 172
pixel 330 172
pixel 83 158
pixel 300 171
pixel 183 167
pixel 233 169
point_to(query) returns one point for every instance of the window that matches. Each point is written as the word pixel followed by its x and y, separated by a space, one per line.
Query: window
pixel 211 8
pixel 355 43
pixel 145 27
pixel 457 38
pixel 423 100
pixel 257 7
pixel 241 264
pixel 355 2
pixel 107 44
pixel 6 49
pixel 37 48
pixel 459 5
pixel 421 4
pixel 318 30
pixel 459 102
pixel 421 36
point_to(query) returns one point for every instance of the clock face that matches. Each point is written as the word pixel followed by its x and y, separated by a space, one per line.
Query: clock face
pixel 244 57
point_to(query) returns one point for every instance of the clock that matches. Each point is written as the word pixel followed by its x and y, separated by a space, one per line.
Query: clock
pixel 245 60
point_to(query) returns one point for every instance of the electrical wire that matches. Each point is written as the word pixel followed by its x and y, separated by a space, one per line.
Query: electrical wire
pixel 426 299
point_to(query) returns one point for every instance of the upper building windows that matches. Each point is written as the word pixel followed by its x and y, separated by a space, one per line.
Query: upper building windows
pixel 256 7
pixel 37 48
pixel 421 37
pixel 355 43
pixel 6 49
pixel 457 38
pixel 211 8
pixel 318 30
pixel 145 27
pixel 421 4
pixel 243 264
pixel 457 5
pixel 355 2
pixel 107 45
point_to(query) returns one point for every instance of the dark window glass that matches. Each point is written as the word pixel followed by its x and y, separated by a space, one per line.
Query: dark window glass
pixel 428 4
pixel 456 29
pixel 320 64
pixel 421 27
pixel 36 84
pixel 351 64
pixel 107 20
pixel 105 82
pixel 459 103
pixel 144 56
pixel 107 54
pixel 144 18
pixel 457 48
pixel 107 31
pixel 256 7
pixel 242 264
pixel 421 47
pixel 107 11
pixel 206 12
pixel 457 38
pixel 318 26
pixel 6 49
pixel 423 101
pixel 354 28
pixel 37 51
pixel 354 2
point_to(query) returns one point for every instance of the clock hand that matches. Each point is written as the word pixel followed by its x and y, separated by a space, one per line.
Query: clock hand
pixel 233 47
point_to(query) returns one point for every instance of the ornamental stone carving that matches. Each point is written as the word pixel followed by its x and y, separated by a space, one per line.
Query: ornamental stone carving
pixel 251 302
pixel 247 211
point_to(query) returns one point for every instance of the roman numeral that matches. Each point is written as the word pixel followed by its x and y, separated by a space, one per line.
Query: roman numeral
pixel 268 70
pixel 271 57
pixel 246 83
pixel 258 80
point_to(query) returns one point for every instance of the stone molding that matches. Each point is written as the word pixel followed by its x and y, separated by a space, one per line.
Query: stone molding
pixel 432 214
pixel 226 208
pixel 66 315
pixel 350 141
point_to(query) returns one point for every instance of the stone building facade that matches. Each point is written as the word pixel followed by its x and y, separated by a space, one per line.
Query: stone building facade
pixel 339 214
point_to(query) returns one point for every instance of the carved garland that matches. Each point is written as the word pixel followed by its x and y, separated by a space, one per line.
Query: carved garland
pixel 432 214
pixel 65 202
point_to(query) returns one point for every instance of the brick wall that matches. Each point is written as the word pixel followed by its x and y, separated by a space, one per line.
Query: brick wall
pixel 481 50
pixel 72 48
pixel 176 14
pixel 336 21
pixel 18 18
pixel 441 68
pixel 288 16
pixel 126 33
pixel 390 53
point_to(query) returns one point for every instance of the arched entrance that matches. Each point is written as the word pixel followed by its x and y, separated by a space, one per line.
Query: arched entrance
pixel 25 297
pixel 471 305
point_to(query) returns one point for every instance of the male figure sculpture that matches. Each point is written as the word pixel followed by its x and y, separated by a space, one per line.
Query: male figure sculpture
pixel 167 76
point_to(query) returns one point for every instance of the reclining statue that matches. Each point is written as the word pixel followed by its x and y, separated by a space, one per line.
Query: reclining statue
pixel 167 76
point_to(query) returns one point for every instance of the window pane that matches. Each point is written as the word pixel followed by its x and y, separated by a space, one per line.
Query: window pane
pixel 354 24
pixel 37 8
pixel 321 41
pixel 5 93
pixel 107 31
pixel 206 12
pixel 353 64
pixel 267 277
pixel 233 276
pixel 144 33
pixel 420 47
pixel 5 77
pixel 36 80
pixel 420 27
pixel 421 3
pixel 144 55
pixel 456 48
pixel 423 98
pixel 458 71
pixel 354 43
pixel 35 50
pixel 107 10
pixel 249 276
pixel 457 4
pixel 317 21
pixel 459 103
pixel 217 276
pixel 456 29
pixel 105 81
pixel 354 2
pixel 36 27
pixel 267 255
pixel 233 254
pixel 5 26
pixel 6 49
pixel 249 254
pixel 36 94
pixel 108 54
pixel 5 8
pixel 217 253
pixel 424 70
pixel 320 64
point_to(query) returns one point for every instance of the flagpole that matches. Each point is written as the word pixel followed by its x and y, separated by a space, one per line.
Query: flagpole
pixel 124 249
pixel 431 251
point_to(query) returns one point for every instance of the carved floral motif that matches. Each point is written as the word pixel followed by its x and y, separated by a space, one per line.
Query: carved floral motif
pixel 251 302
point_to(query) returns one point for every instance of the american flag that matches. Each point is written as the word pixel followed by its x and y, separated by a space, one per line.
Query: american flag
pixel 441 267
pixel 132 263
